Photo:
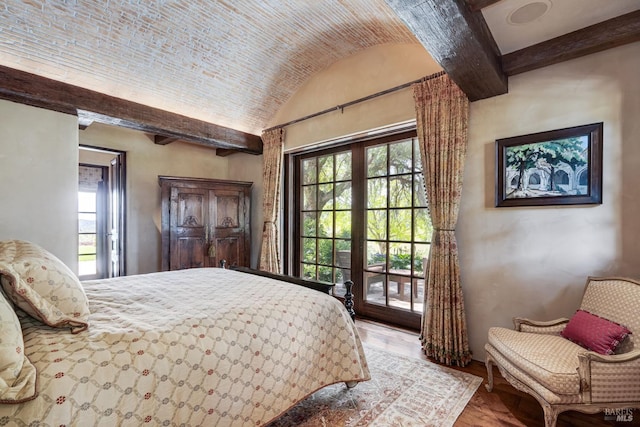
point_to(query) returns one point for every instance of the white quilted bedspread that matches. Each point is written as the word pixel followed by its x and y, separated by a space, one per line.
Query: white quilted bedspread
pixel 199 347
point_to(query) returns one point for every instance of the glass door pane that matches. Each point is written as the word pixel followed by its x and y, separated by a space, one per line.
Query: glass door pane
pixel 87 237
pixel 398 229
pixel 326 212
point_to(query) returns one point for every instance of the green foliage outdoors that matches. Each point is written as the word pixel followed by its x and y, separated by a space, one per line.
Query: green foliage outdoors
pixel 392 180
pixel 87 253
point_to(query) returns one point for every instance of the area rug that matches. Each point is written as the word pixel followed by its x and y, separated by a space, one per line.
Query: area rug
pixel 403 391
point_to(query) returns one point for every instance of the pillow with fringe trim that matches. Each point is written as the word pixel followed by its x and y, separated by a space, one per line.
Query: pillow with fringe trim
pixel 594 332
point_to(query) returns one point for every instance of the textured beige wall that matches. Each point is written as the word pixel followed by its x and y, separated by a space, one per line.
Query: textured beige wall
pixel 370 71
pixel 145 161
pixel 39 178
pixel 515 261
pixel 534 261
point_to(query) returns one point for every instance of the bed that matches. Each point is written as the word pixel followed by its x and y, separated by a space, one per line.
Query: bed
pixel 207 346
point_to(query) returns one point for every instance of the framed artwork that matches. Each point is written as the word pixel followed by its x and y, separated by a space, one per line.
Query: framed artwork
pixel 557 167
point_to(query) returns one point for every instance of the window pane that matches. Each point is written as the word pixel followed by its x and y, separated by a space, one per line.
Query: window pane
pixel 87 254
pixel 375 287
pixel 400 157
pixel 400 256
pixel 421 254
pixel 377 161
pixel 87 244
pixel 309 171
pixel 376 254
pixel 86 201
pixel 343 261
pixel 309 250
pixel 308 271
pixel 400 224
pixel 309 203
pixel 343 195
pixel 325 274
pixel 343 245
pixel 325 251
pixel 325 197
pixel 87 223
pixel 422 226
pixel 325 226
pixel 420 196
pixel 343 224
pixel 377 224
pixel 309 224
pixel 377 193
pixel 343 166
pixel 326 169
pixel 400 191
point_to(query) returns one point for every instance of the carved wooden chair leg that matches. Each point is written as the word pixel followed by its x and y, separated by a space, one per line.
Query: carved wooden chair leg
pixel 489 364
pixel 550 414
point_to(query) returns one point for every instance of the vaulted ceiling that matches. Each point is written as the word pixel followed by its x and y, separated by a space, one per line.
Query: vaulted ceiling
pixel 216 72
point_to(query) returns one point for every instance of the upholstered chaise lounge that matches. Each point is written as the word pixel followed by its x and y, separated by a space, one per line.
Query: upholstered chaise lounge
pixel 542 359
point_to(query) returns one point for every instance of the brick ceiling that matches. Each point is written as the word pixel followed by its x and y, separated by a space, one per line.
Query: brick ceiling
pixel 233 63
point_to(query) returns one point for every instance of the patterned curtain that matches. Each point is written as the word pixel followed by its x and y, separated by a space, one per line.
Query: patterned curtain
pixel 442 112
pixel 273 149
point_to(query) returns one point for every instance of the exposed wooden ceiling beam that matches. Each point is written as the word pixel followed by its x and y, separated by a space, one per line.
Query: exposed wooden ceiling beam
pixel 223 152
pixel 476 5
pixel 604 35
pixel 164 140
pixel 459 40
pixel 31 89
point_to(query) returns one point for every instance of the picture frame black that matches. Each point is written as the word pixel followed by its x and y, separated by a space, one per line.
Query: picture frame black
pixel 556 167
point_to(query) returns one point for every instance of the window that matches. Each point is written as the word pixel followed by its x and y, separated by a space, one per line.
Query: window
pixel 101 213
pixel 361 214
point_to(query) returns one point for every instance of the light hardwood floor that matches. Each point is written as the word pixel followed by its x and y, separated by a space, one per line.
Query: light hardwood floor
pixel 504 406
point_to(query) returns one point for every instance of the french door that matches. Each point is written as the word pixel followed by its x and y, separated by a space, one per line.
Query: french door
pixel 360 214
pixel 101 201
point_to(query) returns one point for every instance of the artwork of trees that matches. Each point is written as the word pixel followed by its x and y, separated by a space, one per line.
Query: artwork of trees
pixel 550 168
pixel 554 167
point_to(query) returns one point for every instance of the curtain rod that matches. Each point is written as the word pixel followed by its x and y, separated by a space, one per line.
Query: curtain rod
pixel 341 107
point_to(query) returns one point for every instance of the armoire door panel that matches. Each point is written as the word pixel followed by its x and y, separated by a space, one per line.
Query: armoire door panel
pixel 190 253
pixel 191 210
pixel 230 249
pixel 188 233
pixel 228 211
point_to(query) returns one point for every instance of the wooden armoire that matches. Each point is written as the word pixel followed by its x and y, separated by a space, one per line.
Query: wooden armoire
pixel 204 221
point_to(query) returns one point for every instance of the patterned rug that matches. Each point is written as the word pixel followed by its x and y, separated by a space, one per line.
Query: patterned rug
pixel 403 391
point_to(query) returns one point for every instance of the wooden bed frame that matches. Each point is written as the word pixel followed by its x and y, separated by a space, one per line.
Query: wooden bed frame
pixel 317 285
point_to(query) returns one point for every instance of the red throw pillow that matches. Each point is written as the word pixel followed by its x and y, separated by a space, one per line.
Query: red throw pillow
pixel 594 333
